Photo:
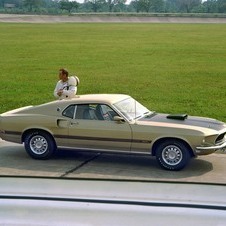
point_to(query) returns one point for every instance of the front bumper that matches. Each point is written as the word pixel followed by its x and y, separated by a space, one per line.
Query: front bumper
pixel 210 149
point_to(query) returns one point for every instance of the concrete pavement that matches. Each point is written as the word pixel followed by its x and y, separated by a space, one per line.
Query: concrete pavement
pixel 72 164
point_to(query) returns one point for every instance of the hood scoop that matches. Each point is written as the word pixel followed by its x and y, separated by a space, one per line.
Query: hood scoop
pixel 177 116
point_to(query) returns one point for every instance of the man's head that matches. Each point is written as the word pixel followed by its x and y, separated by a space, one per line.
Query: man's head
pixel 63 74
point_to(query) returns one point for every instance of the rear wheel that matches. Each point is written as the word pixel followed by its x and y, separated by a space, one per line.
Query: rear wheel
pixel 172 154
pixel 39 145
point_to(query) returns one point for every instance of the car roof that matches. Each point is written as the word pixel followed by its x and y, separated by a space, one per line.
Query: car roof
pixel 93 98
pixel 79 99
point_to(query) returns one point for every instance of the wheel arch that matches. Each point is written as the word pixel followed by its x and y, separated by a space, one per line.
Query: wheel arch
pixel 157 142
pixel 33 130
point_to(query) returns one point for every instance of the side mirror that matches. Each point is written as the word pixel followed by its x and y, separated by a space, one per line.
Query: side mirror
pixel 119 119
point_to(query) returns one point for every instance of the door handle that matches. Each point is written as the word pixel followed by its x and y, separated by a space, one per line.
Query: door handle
pixel 74 123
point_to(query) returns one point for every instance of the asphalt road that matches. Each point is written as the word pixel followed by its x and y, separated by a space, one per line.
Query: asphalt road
pixel 73 164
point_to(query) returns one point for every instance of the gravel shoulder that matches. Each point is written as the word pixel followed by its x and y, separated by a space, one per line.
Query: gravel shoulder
pixel 18 18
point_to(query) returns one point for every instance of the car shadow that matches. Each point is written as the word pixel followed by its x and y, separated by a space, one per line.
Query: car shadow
pixel 79 164
pixel 125 166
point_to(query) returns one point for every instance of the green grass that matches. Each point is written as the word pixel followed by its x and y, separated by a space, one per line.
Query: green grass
pixel 174 68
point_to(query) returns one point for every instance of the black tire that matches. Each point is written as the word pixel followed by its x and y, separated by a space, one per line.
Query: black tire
pixel 39 145
pixel 172 154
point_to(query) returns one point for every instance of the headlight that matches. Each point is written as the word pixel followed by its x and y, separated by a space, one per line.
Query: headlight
pixel 220 138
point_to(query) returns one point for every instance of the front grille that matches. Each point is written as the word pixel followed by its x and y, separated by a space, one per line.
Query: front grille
pixel 220 138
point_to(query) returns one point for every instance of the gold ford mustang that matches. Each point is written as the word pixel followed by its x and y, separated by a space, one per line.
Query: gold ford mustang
pixel 112 123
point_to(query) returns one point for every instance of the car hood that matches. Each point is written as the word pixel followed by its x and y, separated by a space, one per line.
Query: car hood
pixel 185 120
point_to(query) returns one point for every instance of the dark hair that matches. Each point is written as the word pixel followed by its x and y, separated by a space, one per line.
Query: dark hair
pixel 64 71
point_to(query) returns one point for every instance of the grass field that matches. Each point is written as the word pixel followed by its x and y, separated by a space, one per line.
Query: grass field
pixel 174 68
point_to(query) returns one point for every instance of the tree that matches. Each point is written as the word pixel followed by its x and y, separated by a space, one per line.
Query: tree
pixel 2 3
pixel 95 4
pixel 112 3
pixel 148 5
pixel 31 4
pixel 157 5
pixel 210 6
pixel 145 5
pixel 188 5
pixel 136 5
pixel 221 6
pixel 171 6
pixel 141 5
pixel 69 6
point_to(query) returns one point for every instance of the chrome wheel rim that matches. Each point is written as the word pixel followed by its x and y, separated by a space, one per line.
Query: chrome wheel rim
pixel 38 144
pixel 172 155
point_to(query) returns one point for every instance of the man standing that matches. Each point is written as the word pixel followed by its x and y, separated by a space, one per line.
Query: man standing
pixel 66 87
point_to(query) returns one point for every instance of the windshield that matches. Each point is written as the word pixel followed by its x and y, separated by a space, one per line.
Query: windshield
pixel 131 109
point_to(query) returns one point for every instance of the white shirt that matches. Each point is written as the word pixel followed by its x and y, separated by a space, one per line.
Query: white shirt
pixel 69 90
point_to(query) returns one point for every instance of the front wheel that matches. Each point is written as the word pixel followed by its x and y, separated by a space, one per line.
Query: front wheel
pixel 39 145
pixel 172 155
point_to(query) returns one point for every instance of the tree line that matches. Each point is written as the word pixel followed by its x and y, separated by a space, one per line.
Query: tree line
pixel 137 6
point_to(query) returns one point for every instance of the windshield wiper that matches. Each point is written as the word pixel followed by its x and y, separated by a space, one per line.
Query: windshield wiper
pixel 146 114
pixel 149 114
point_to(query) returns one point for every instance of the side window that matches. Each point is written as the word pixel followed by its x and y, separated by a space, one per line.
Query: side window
pixel 94 112
pixel 69 111
pixel 104 112
pixel 82 111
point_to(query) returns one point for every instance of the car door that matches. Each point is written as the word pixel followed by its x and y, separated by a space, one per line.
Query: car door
pixel 92 129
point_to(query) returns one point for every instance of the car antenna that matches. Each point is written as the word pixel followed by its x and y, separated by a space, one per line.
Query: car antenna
pixel 135 110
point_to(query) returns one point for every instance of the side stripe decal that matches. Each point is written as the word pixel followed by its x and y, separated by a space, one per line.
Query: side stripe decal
pixel 89 138
pixel 102 139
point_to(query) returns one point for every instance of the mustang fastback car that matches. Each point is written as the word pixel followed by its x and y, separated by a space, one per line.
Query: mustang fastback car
pixel 113 123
